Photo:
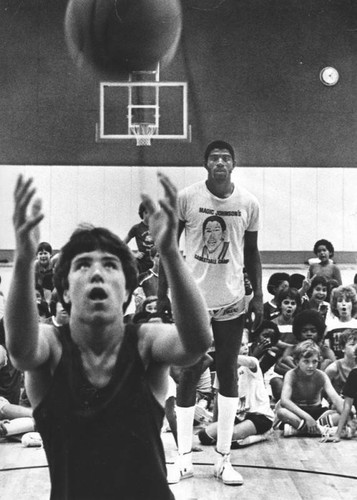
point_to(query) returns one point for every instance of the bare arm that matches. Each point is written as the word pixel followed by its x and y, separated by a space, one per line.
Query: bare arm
pixel 332 394
pixel 253 267
pixel 26 348
pixel 347 406
pixel 191 336
pixel 248 361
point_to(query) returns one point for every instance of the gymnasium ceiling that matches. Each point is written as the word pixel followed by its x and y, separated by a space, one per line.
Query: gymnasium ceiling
pixel 252 69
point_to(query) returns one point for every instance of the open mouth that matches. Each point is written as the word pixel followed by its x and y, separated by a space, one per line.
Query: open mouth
pixel 97 293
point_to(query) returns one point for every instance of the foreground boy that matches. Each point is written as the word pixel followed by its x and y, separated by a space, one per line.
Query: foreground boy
pixel 97 387
pixel 301 406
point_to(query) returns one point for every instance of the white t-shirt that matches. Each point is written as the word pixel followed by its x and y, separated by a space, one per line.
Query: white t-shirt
pixel 253 396
pixel 214 240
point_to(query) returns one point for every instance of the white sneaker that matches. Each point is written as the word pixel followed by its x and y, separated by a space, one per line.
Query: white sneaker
pixel 224 471
pixel 289 430
pixel 181 469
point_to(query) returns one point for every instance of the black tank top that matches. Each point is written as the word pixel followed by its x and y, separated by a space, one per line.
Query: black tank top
pixel 103 443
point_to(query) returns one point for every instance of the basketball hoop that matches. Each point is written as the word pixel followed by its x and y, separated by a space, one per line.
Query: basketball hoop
pixel 143 132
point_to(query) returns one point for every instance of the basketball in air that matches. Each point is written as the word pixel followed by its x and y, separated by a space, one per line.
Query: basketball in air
pixel 116 37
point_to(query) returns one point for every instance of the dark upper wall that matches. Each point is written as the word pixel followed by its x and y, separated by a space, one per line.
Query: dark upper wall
pixel 253 72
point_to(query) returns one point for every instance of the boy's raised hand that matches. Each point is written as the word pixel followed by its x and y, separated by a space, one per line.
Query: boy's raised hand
pixel 163 221
pixel 26 222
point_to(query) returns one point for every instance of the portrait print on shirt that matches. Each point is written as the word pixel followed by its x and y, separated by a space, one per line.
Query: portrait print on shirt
pixel 214 241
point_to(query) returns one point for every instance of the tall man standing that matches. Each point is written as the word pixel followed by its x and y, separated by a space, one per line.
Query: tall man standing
pixel 221 222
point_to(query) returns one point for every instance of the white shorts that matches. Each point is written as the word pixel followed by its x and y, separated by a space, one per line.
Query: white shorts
pixel 226 313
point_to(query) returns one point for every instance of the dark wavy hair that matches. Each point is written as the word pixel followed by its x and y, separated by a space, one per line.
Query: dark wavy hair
pixel 87 239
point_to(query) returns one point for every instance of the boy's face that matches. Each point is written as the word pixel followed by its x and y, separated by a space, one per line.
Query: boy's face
pixel 309 332
pixel 344 307
pixel 288 308
pixel 322 253
pixel 319 293
pixel 44 257
pixel 96 287
pixel 309 365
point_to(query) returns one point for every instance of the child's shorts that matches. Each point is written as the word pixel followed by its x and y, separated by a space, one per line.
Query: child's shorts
pixel 314 411
pixel 260 422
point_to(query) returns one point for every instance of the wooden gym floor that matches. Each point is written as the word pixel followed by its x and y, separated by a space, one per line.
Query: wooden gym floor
pixel 280 468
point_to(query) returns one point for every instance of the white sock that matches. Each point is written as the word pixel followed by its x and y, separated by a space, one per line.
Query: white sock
pixel 227 408
pixel 184 428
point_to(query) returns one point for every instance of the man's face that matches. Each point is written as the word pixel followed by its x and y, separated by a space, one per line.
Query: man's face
pixel 96 287
pixel 220 165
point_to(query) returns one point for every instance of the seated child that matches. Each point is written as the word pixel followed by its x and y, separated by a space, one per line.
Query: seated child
pixel 307 325
pixel 288 302
pixel 318 293
pixel 344 309
pixel 254 417
pixel 339 370
pixel 324 250
pixel 263 347
pixel 276 283
pixel 44 268
pixel 304 387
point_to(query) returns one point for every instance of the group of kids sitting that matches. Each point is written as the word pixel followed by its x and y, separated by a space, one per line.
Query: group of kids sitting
pixel 297 372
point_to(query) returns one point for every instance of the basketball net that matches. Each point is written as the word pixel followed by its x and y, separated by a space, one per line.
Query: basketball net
pixel 143 132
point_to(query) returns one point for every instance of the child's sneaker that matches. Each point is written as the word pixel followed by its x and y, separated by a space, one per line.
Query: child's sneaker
pixel 289 431
pixel 181 469
pixel 224 471
pixel 31 439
